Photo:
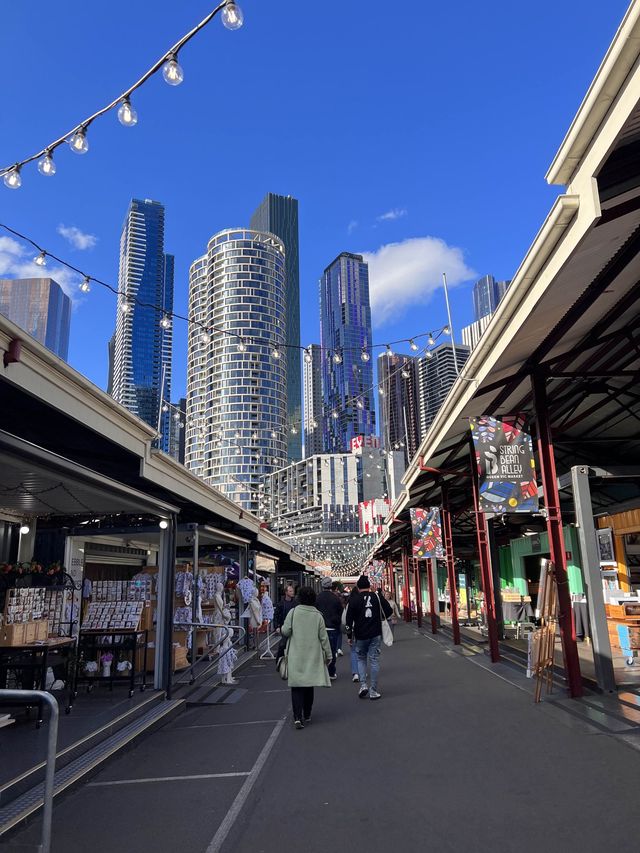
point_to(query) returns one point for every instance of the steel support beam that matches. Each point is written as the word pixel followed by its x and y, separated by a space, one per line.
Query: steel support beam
pixel 163 672
pixel 451 568
pixel 556 534
pixel 406 596
pixel 484 558
pixel 433 604
pixel 418 592
pixel 602 657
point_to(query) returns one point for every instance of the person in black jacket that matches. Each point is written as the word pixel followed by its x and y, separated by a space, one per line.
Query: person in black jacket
pixel 283 607
pixel 364 627
pixel 329 605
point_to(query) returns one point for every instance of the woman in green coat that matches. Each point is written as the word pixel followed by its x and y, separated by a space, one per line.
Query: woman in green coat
pixel 308 653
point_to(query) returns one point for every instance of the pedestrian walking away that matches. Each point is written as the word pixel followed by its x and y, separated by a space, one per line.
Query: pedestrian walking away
pixel 308 654
pixel 330 607
pixel 364 629
pixel 354 654
pixel 395 610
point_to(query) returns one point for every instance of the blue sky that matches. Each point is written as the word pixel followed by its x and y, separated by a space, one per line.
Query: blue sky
pixel 391 123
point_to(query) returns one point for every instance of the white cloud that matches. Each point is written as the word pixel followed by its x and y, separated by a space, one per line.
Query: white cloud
pixel 390 215
pixel 16 261
pixel 405 274
pixel 77 238
pixel 351 227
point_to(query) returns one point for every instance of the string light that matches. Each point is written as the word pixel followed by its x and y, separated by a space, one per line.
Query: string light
pixel 307 355
pixel 405 373
pixel 337 357
pixel 126 307
pixel 85 287
pixel 275 352
pixel 389 352
pixel 205 338
pixel 364 355
pixel 165 323
pixel 242 347
pixel 413 345
pixel 232 18
pixel 41 259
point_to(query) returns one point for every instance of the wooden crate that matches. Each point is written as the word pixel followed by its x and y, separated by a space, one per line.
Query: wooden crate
pixel 13 635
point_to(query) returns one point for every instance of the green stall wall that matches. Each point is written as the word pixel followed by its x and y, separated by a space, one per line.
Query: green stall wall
pixel 512 571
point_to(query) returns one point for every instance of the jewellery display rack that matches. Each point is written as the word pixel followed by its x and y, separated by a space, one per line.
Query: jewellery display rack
pixel 129 644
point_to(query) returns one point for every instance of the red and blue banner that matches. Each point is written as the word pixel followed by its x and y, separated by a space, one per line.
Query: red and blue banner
pixel 427 533
pixel 506 467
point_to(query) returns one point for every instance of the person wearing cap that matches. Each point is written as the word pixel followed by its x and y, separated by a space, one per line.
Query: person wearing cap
pixel 364 627
pixel 330 607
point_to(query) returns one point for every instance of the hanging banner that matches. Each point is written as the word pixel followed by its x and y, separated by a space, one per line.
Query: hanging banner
pixel 427 533
pixel 506 467
pixel 376 572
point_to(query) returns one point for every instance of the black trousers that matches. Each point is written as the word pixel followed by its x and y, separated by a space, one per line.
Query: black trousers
pixel 302 702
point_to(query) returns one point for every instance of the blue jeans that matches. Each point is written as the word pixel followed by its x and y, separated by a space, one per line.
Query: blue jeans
pixel 369 652
pixel 333 642
pixel 354 659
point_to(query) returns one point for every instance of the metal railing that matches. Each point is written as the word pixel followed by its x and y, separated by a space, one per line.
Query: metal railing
pixel 209 652
pixel 29 697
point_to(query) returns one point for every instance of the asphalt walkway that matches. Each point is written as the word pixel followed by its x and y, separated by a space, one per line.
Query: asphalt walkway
pixel 454 757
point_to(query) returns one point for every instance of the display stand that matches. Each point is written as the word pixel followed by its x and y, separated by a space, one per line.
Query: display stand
pixel 544 639
pixel 93 646
pixel 267 654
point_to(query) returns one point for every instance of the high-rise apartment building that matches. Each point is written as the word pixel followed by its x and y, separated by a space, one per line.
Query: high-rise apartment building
pixel 41 308
pixel 177 423
pixel 143 335
pixel 436 375
pixel 278 214
pixel 313 406
pixel 345 338
pixel 399 413
pixel 236 375
pixel 487 292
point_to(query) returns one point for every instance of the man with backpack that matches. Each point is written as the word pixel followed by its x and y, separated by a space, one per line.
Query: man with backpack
pixel 365 613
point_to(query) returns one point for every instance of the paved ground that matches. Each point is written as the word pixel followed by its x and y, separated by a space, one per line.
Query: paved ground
pixel 452 758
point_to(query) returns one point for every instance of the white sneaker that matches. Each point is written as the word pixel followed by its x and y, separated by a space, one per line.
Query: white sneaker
pixel 58 684
pixel 363 692
pixel 373 694
pixel 340 653
pixel 356 677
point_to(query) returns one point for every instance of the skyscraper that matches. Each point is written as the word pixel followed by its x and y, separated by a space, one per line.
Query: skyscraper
pixel 278 214
pixel 436 375
pixel 345 336
pixel 487 292
pixel 399 415
pixel 41 308
pixel 236 383
pixel 143 336
pixel 313 408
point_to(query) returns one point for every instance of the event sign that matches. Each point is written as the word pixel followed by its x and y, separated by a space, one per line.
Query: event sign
pixel 427 533
pixel 506 467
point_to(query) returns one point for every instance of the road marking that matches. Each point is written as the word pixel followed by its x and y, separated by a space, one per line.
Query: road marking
pixel 222 725
pixel 243 794
pixel 167 779
pixel 281 690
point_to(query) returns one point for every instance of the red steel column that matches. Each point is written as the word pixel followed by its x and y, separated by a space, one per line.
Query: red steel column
pixel 416 581
pixel 485 561
pixel 433 604
pixel 451 569
pixel 406 595
pixel 556 535
pixel 392 578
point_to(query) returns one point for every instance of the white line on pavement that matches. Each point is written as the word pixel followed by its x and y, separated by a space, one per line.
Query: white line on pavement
pixel 167 779
pixel 243 794
pixel 222 725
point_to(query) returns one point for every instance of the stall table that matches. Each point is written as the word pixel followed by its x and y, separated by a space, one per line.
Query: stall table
pixel 93 644
pixel 31 661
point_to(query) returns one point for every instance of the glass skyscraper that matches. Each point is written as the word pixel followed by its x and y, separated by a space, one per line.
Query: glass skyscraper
pixel 487 292
pixel 142 350
pixel 278 214
pixel 399 410
pixel 41 308
pixel 313 407
pixel 345 332
pixel 236 386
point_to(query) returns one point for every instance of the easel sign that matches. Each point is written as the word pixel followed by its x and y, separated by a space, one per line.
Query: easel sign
pixel 543 640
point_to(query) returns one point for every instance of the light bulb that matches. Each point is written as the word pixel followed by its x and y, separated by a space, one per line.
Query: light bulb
pixel 176 416
pixel 126 307
pixel 413 345
pixel 25 529
pixel 165 408
pixel 275 352
pixel 337 357
pixel 431 340
pixel 85 287
pixel 364 355
pixel 242 347
pixel 381 390
pixel 360 404
pixel 127 116
pixel 41 260
pixel 446 330
pixel 307 356
pixel 46 166
pixel 389 351
pixel 78 141
pixel 165 323
pixel 181 425
pixel 313 424
pixel 12 178
pixel 232 16
pixel 294 430
pixel 429 354
pixel 334 415
pixel 172 72
pixel 274 434
pixel 163 524
pixel 405 373
pixel 205 338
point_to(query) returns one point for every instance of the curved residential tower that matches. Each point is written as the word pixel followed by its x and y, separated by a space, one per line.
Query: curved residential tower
pixel 236 370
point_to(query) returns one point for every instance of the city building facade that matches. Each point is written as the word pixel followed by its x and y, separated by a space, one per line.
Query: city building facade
pixel 487 293
pixel 313 404
pixel 436 375
pixel 472 333
pixel 278 214
pixel 236 375
pixel 41 308
pixel 177 423
pixel 398 403
pixel 141 377
pixel 345 338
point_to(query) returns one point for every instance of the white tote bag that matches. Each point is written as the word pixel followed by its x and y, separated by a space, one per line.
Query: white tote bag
pixel 387 633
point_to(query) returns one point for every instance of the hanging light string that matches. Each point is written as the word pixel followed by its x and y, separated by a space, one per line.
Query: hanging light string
pixel 232 18
pixel 207 331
